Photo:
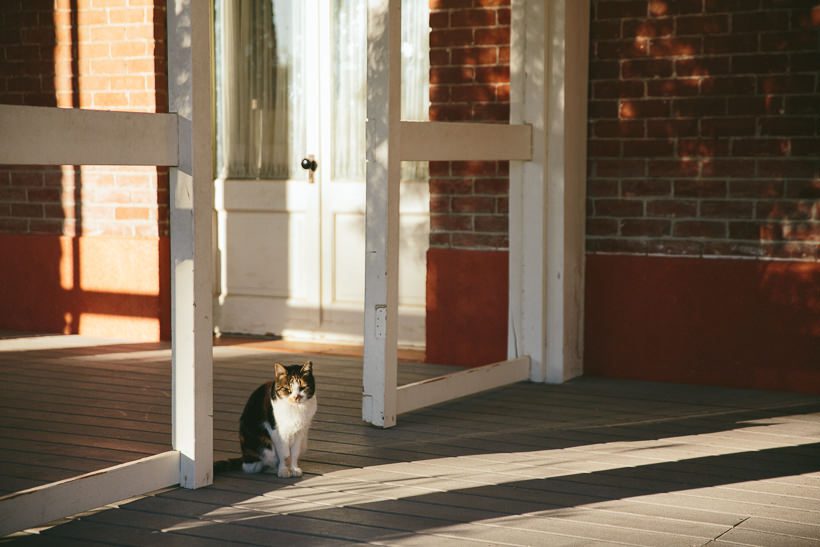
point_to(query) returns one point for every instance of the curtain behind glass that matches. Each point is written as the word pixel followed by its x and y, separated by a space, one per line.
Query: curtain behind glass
pixel 350 77
pixel 261 78
pixel 259 88
pixel 415 60
pixel 415 74
pixel 350 88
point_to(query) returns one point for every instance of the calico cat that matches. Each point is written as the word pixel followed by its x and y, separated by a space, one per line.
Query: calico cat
pixel 273 428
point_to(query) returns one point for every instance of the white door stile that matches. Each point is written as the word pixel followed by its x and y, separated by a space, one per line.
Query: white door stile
pixel 324 172
pixel 182 139
pixel 546 145
pixel 35 506
pixel 459 384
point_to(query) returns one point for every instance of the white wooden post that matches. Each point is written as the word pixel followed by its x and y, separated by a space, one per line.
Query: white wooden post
pixel 190 96
pixel 549 85
pixel 547 193
pixel 567 191
pixel 527 304
pixel 54 137
pixel 382 215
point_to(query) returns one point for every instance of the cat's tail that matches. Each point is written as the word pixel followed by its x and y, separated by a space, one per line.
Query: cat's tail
pixel 231 464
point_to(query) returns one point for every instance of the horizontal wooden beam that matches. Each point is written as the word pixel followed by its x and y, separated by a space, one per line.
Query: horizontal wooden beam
pixel 443 141
pixel 458 384
pixel 36 506
pixel 36 135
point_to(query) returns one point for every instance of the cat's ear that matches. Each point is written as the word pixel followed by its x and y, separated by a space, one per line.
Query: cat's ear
pixel 279 370
pixel 307 368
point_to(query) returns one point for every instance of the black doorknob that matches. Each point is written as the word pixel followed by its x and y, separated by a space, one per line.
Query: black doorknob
pixel 308 163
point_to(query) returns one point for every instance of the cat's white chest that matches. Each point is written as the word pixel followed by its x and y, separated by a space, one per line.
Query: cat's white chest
pixel 293 419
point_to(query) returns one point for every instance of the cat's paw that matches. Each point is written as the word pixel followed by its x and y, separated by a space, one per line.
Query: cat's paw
pixel 283 473
pixel 252 467
pixel 297 471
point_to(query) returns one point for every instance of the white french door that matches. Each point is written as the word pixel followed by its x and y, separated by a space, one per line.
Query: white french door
pixel 291 242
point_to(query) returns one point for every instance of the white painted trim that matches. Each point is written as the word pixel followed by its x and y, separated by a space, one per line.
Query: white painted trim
pixel 516 193
pixel 182 138
pixel 192 201
pixel 49 502
pixel 66 136
pixel 382 215
pixel 527 214
pixel 566 187
pixel 459 384
pixel 547 195
pixel 441 141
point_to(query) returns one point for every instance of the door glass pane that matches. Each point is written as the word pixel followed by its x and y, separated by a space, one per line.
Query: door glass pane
pixel 350 80
pixel 415 74
pixel 415 60
pixel 349 88
pixel 260 88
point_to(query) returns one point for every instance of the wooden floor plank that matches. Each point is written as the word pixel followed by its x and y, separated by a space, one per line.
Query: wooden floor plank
pixel 808 531
pixel 10 436
pixel 593 461
pixel 764 539
pixel 47 540
pixel 85 530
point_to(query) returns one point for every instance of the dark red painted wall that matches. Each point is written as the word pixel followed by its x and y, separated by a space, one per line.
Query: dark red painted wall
pixel 739 323
pixel 96 286
pixel 466 306
pixel 467 263
pixel 84 248
pixel 703 141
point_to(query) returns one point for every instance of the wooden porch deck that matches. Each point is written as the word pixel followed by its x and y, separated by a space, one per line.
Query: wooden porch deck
pixel 592 462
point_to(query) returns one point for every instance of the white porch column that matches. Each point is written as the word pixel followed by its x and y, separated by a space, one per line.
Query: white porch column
pixel 381 299
pixel 191 193
pixel 549 59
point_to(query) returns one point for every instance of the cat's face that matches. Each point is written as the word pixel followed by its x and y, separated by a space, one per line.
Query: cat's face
pixel 295 382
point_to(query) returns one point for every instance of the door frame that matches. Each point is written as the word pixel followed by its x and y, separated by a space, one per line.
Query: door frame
pixel 335 320
pixel 180 139
pixel 545 143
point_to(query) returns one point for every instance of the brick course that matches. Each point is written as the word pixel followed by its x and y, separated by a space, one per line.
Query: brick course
pixel 96 55
pixel 469 81
pixel 704 128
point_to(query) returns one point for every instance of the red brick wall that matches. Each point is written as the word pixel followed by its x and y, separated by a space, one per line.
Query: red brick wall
pixel 469 81
pixel 704 136
pixel 90 242
pixel 467 261
pixel 704 128
pixel 105 55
